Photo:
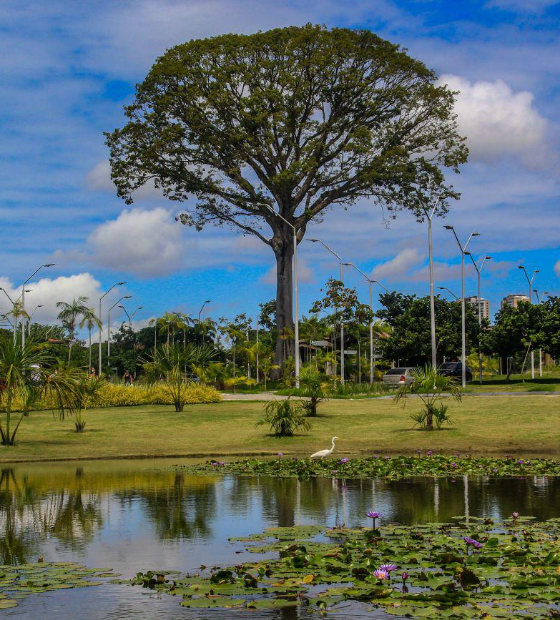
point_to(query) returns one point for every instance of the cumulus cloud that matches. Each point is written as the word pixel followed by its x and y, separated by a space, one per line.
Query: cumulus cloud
pixel 557 268
pixel 497 121
pixel 400 267
pixel 145 242
pixel 47 292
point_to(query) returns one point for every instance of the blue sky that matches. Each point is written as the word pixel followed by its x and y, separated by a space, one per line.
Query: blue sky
pixel 67 69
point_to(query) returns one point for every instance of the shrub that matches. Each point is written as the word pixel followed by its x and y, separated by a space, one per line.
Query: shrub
pixel 429 385
pixel 312 386
pixel 116 395
pixel 284 417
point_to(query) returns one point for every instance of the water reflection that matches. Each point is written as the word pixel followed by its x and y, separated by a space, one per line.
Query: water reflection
pixel 133 516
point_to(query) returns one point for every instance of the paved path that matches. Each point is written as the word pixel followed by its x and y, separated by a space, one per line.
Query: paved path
pixel 272 396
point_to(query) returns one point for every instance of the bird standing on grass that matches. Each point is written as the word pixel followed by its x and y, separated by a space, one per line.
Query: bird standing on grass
pixel 323 453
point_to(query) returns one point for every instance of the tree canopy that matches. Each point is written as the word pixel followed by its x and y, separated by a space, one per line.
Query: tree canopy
pixel 289 122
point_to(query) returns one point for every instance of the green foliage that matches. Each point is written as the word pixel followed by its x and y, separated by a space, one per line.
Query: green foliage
pixel 437 413
pixel 19 582
pixel 284 417
pixel 312 386
pixel 295 120
pixel 429 385
pixel 170 364
pixel 408 317
pixel 345 304
pixel 471 568
pixel 26 374
pixel 391 468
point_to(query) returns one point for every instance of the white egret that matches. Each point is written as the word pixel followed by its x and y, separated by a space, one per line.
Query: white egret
pixel 323 453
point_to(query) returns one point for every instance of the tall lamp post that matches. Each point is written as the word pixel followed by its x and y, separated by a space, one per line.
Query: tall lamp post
pixel 444 288
pixel 14 324
pixel 109 324
pixel 341 264
pixel 23 299
pixel 31 317
pixel 530 283
pixel 478 298
pixel 296 293
pixel 127 316
pixel 429 217
pixel 202 308
pixel 370 282
pixel 99 364
pixel 463 249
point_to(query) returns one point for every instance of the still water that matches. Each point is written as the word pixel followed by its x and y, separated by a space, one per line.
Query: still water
pixel 140 515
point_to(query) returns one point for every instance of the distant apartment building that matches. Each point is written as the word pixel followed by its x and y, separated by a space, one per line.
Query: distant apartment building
pixel 484 306
pixel 513 300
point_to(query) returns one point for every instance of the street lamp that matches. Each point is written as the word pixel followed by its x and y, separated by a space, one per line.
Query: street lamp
pixel 463 310
pixel 429 216
pixel 23 291
pixel 101 326
pixel 109 324
pixel 202 308
pixel 296 294
pixel 478 298
pixel 529 280
pixel 139 308
pixel 128 316
pixel 341 263
pixel 14 324
pixel 30 317
pixel 444 288
pixel 370 282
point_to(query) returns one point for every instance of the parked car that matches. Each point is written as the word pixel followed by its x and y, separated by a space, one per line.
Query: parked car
pixel 453 369
pixel 399 376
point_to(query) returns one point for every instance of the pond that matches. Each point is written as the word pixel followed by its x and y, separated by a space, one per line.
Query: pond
pixel 139 515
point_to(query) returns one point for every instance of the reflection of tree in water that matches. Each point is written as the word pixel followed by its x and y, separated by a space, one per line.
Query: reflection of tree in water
pixel 182 510
pixel 17 545
pixel 27 515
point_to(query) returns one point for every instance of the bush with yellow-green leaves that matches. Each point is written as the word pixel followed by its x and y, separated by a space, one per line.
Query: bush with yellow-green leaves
pixel 113 395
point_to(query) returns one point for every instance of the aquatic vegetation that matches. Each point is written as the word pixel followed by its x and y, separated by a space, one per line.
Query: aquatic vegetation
pixel 394 468
pixel 18 582
pixel 512 570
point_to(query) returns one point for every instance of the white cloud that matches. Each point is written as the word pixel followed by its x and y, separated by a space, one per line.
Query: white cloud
pixel 47 292
pixel 400 267
pixel 557 268
pixel 98 179
pixel 147 243
pixel 497 121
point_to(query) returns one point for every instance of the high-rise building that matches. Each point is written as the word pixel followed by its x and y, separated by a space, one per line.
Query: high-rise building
pixel 484 306
pixel 513 300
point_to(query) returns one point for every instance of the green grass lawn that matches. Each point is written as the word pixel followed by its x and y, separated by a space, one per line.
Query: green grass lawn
pixel 485 425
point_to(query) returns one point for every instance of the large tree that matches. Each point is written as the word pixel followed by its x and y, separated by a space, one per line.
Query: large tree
pixel 409 319
pixel 288 123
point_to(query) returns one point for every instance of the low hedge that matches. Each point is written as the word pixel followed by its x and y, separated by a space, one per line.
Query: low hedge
pixel 112 395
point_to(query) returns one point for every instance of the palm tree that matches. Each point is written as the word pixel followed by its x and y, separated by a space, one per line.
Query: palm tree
pixel 169 323
pixel 169 364
pixel 90 320
pixel 25 374
pixel 69 315
pixel 429 384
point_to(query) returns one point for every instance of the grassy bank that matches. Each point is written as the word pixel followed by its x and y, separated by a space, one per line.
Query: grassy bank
pixel 481 425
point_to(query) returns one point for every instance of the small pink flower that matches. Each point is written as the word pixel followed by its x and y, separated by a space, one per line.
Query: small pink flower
pixel 381 574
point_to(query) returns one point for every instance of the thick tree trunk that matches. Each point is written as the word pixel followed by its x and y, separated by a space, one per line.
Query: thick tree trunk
pixel 283 250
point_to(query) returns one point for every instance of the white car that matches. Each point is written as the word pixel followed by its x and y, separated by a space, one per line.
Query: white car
pixel 399 376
